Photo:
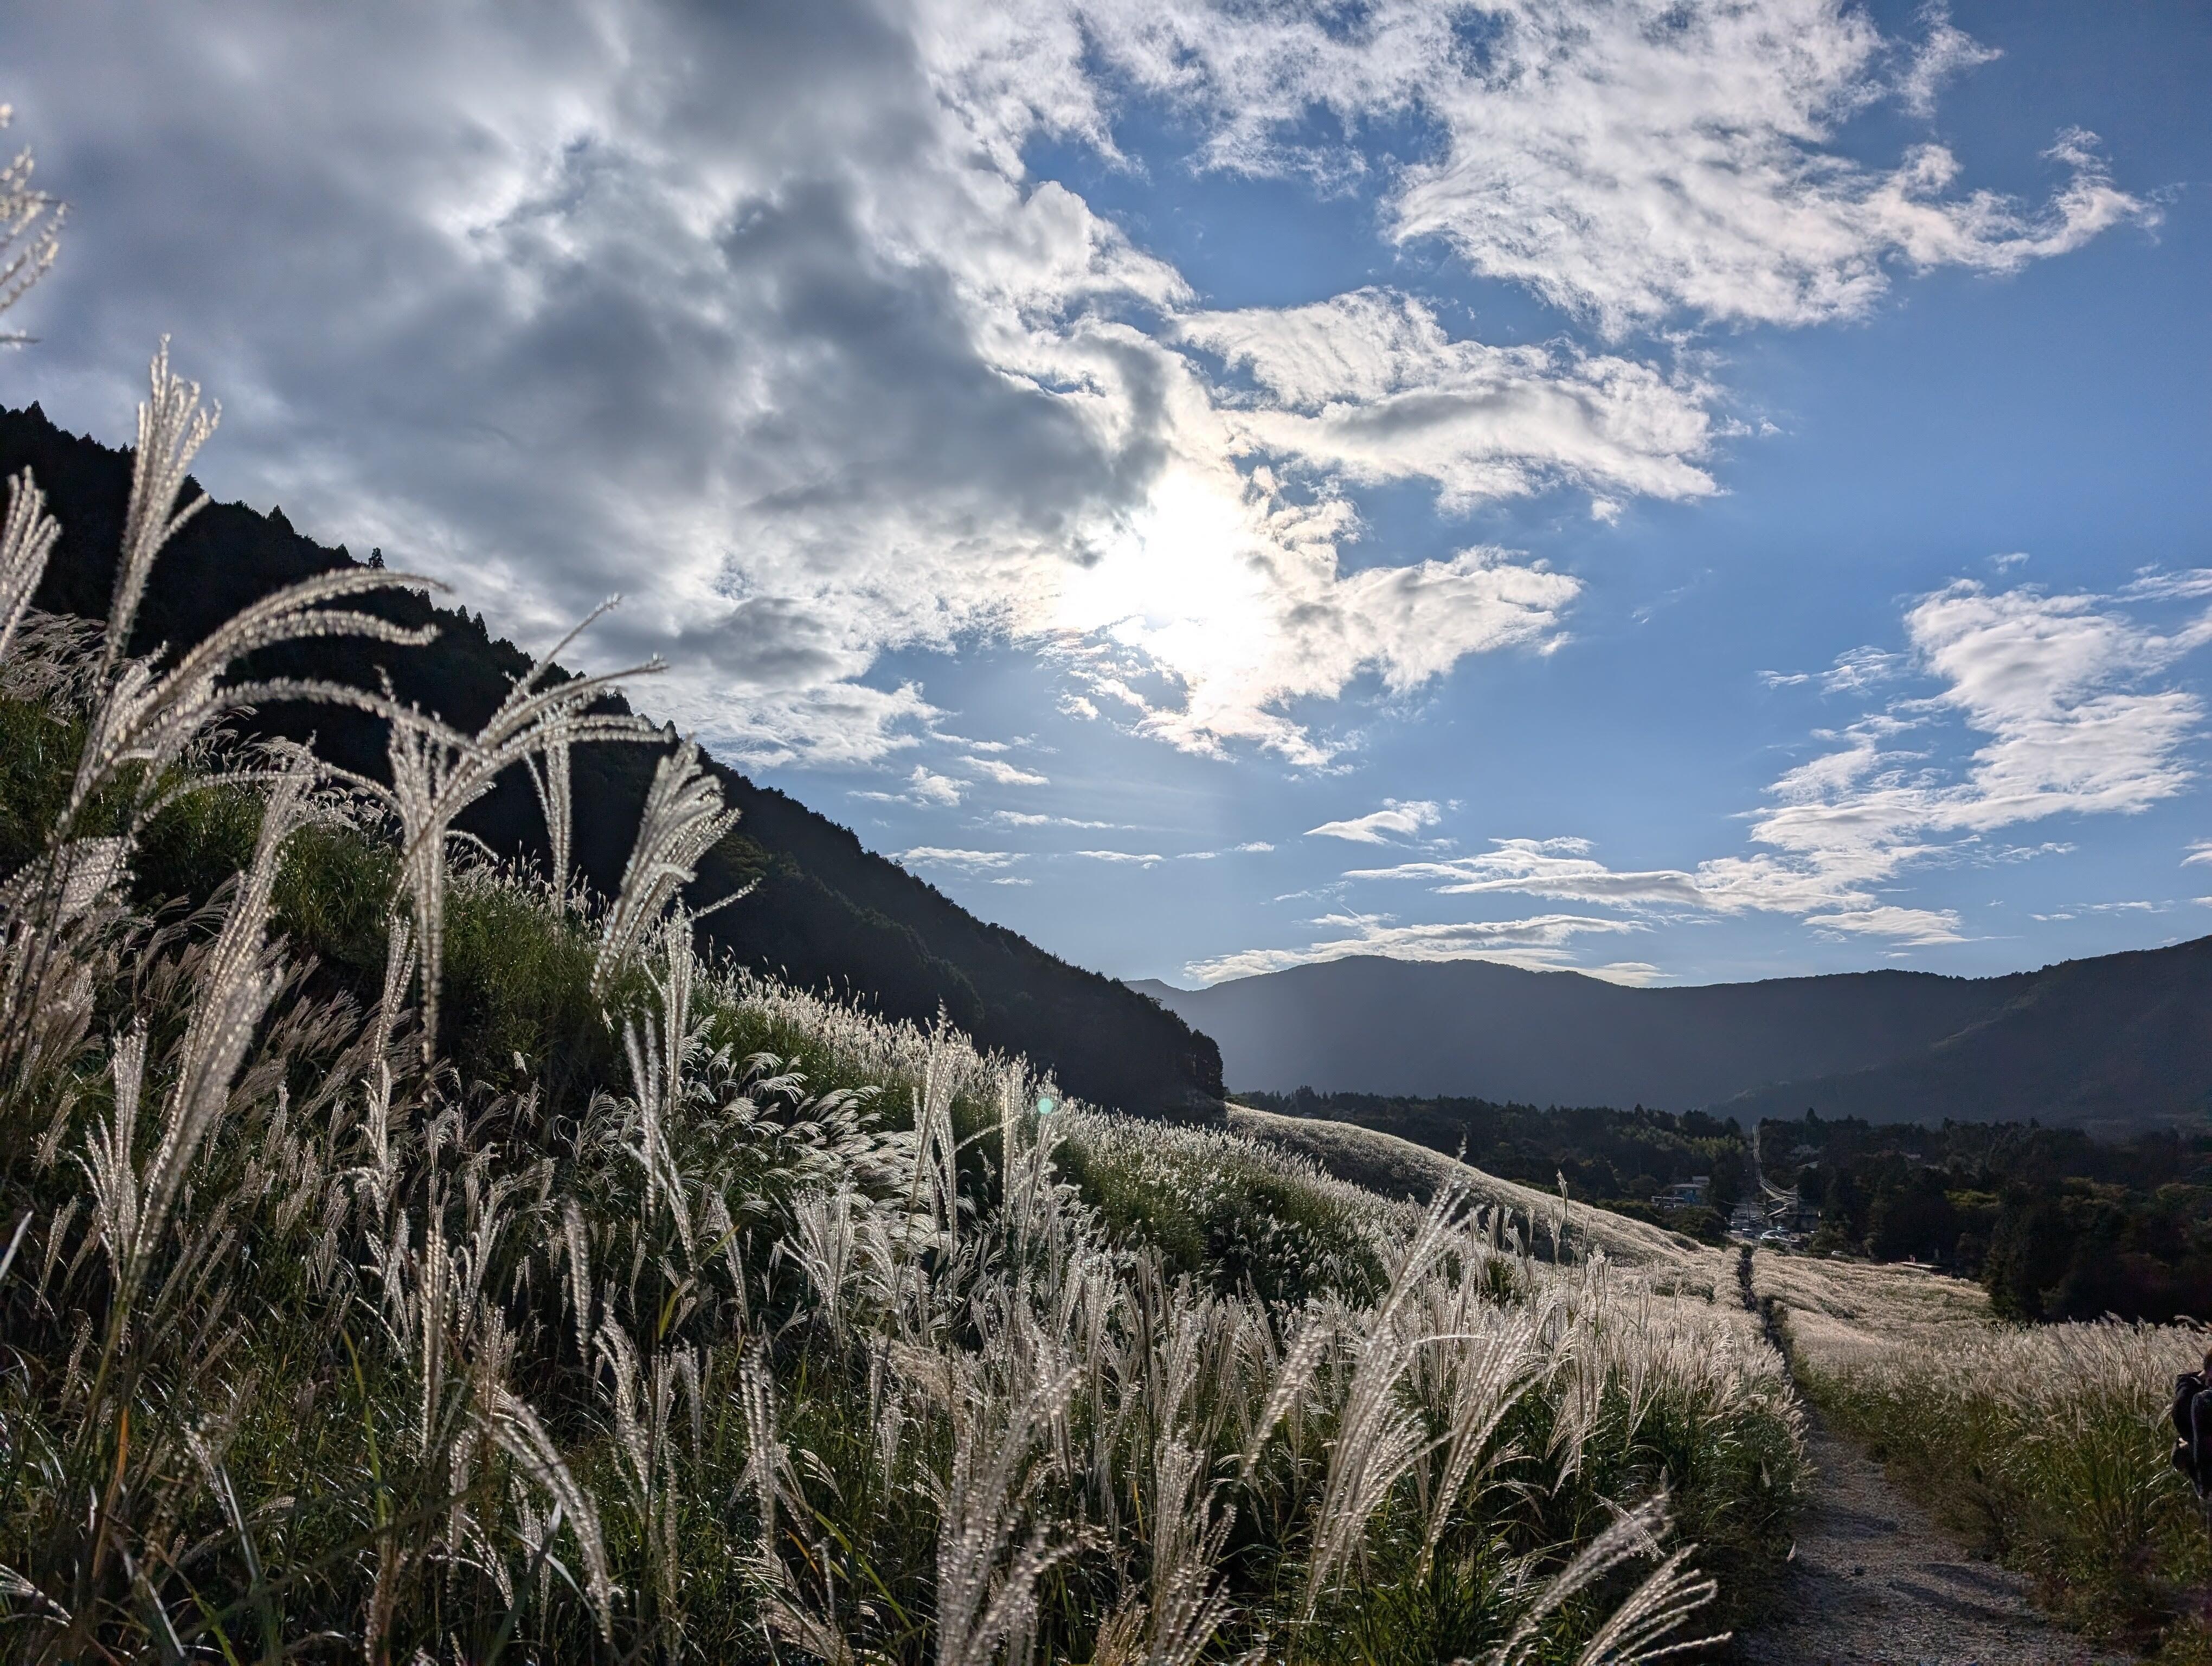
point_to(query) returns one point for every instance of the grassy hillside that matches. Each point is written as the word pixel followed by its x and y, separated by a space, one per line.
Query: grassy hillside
pixel 2044 1447
pixel 826 914
pixel 405 1260
pixel 1615 1158
pixel 1397 1168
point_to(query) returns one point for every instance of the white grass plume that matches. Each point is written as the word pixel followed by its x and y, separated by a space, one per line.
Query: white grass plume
pixel 30 228
pixel 683 818
pixel 26 538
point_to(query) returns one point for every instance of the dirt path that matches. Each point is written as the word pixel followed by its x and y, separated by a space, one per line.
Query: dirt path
pixel 1875 1581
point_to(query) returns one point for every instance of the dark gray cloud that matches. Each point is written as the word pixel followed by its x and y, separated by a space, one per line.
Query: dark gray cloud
pixel 750 312
pixel 557 303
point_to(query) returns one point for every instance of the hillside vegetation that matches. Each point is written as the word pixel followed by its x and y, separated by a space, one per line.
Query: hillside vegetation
pixel 2044 1446
pixel 412 1255
pixel 2055 1225
pixel 1617 1160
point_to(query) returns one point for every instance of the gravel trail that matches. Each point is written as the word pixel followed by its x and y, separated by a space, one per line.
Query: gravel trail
pixel 1875 1581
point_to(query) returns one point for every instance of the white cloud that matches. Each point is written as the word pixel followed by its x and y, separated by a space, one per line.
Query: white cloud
pixel 766 319
pixel 1627 159
pixel 1369 385
pixel 2200 853
pixel 2153 584
pixel 1143 859
pixel 1540 942
pixel 1403 818
pixel 767 322
pixel 2052 687
pixel 1910 926
pixel 1233 850
pixel 1853 670
pixel 1948 51
pixel 1559 870
pixel 1027 819
pixel 1861 668
pixel 1011 881
pixel 1007 775
pixel 926 787
pixel 975 861
pixel 1632 171
pixel 1258 615
pixel 2079 909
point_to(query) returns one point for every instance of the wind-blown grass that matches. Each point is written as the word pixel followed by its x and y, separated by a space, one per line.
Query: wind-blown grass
pixel 2047 1445
pixel 636 1307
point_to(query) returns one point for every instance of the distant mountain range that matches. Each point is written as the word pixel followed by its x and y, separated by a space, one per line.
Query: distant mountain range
pixel 2116 1043
pixel 825 913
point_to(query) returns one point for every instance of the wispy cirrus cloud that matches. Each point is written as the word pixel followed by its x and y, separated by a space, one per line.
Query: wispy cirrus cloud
pixel 2057 692
pixel 1398 818
pixel 1915 926
pixel 972 861
pixel 2078 909
pixel 1540 942
pixel 1035 819
pixel 924 786
pixel 1006 775
pixel 1557 870
pixel 1369 385
pixel 1854 669
pixel 1630 160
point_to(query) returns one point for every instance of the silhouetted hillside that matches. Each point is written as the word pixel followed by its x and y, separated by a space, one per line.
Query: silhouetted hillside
pixel 2119 1041
pixel 827 913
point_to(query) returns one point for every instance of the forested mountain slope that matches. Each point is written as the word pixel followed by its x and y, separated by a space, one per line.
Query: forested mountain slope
pixel 826 913
pixel 2113 1044
pixel 2120 1041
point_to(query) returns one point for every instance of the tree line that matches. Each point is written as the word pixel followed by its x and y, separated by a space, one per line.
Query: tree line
pixel 2055 1223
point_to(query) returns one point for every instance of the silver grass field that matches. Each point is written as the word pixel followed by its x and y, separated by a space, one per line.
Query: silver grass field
pixel 801 1335
pixel 2046 1445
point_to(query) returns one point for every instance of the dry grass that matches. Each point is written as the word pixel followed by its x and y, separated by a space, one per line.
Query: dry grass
pixel 796 1333
pixel 1397 1168
pixel 1846 1316
pixel 2045 1444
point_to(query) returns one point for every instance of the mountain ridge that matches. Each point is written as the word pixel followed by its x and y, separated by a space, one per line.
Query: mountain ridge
pixel 2117 1041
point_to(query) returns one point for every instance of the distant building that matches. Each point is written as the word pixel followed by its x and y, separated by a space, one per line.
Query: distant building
pixel 1685 1194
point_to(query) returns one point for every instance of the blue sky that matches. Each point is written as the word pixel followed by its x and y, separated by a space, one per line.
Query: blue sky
pixel 1687 492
